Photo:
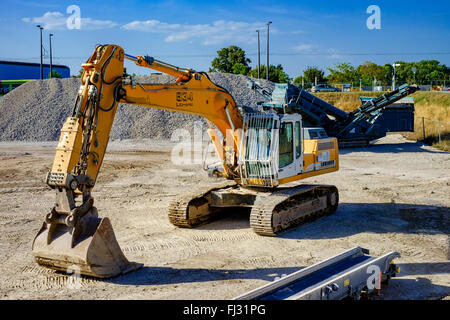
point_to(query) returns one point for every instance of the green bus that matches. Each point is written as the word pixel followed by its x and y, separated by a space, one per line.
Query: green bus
pixel 8 85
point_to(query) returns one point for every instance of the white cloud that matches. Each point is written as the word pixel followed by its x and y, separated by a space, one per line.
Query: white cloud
pixel 151 26
pixel 57 21
pixel 219 31
pixel 298 32
pixel 50 20
pixel 302 47
pixel 93 24
pixel 334 54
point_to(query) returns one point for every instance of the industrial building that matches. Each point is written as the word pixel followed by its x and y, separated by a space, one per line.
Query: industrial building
pixel 14 70
pixel 14 73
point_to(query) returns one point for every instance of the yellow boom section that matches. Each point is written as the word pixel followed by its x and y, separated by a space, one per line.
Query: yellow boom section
pixel 193 93
pixel 197 96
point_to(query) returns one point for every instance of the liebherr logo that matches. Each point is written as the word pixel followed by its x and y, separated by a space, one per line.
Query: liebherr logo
pixel 185 99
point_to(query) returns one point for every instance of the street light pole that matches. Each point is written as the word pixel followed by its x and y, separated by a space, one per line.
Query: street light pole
pixel 414 69
pixel 393 76
pixel 267 66
pixel 259 61
pixel 51 69
pixel 42 71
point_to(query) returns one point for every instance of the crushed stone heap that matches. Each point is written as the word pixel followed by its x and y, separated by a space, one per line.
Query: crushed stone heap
pixel 36 110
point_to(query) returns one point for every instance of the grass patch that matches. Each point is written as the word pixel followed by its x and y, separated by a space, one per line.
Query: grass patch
pixel 346 101
pixel 432 105
pixel 432 140
pixel 444 145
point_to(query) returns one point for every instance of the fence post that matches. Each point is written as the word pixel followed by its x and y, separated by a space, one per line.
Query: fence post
pixel 423 127
pixel 439 131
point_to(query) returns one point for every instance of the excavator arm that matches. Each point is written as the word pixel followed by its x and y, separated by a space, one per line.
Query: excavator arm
pixel 193 93
pixel 72 234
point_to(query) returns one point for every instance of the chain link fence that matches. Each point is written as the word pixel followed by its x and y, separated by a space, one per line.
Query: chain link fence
pixel 432 132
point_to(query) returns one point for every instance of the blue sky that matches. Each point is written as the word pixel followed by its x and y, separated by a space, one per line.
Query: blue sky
pixel 188 33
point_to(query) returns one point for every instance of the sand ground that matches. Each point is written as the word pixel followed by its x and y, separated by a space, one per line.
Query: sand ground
pixel 394 196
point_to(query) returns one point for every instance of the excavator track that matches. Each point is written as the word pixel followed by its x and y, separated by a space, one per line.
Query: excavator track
pixel 283 209
pixel 272 211
pixel 193 209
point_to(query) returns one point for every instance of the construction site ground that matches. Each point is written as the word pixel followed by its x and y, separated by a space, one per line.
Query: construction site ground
pixel 394 196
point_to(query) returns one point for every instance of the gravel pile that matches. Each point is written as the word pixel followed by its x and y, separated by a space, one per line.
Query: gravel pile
pixel 36 110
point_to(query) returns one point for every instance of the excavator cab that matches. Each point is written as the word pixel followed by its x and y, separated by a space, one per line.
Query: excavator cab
pixel 277 150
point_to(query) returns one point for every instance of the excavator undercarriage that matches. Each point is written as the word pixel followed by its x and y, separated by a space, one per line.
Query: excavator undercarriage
pixel 272 211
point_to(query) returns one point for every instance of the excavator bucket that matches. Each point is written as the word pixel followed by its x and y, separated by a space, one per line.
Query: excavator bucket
pixel 89 248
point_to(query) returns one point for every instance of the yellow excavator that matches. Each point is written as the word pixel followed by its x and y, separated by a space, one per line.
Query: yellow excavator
pixel 259 149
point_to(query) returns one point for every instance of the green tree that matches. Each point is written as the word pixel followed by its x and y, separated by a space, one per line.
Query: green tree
pixel 240 68
pixel 426 71
pixel 276 73
pixel 230 60
pixel 298 81
pixel 387 77
pixel 54 74
pixel 404 73
pixel 310 74
pixel 368 71
pixel 344 73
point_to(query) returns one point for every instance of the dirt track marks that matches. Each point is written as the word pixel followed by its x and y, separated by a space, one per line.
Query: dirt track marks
pixel 228 236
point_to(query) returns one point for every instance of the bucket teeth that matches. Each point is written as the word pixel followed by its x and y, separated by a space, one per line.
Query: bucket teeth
pixel 89 248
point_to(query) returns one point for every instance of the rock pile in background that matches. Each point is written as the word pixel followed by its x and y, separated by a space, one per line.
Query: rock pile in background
pixel 36 110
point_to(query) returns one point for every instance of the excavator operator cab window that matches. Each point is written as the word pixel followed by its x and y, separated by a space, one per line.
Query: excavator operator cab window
pixel 323 134
pixel 286 147
pixel 313 134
